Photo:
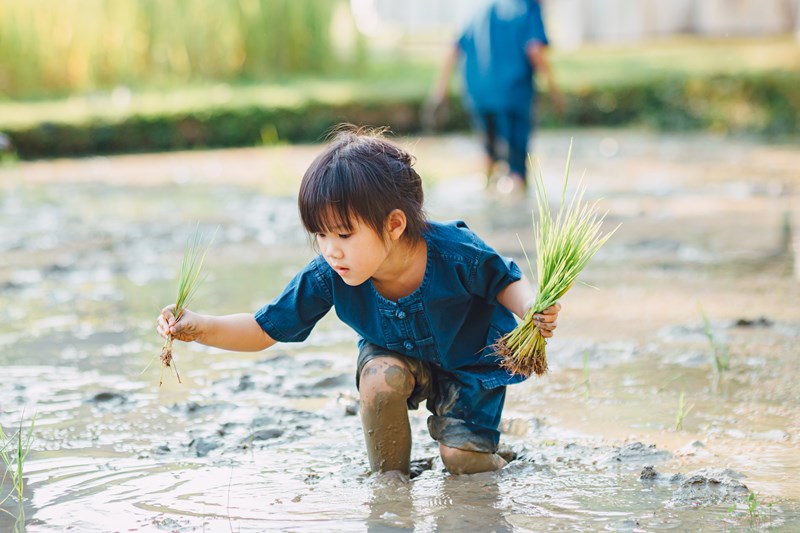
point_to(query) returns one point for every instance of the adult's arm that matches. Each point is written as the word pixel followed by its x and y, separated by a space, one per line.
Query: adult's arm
pixel 537 55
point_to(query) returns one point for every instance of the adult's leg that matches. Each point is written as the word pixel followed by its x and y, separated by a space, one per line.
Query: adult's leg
pixel 385 385
pixel 484 124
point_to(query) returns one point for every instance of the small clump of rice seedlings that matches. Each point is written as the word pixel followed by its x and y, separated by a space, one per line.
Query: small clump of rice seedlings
pixel 719 350
pixel 682 412
pixel 564 245
pixel 14 452
pixel 191 277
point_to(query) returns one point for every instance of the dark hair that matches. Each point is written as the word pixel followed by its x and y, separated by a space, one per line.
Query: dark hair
pixel 360 174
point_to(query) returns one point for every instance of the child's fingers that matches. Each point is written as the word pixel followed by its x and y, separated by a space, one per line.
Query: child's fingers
pixel 552 310
pixel 168 313
pixel 547 324
pixel 165 321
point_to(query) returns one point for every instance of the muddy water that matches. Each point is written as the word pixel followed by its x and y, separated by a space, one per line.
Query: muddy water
pixel 270 441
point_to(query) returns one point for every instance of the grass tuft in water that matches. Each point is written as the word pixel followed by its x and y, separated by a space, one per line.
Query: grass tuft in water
pixel 564 245
pixel 191 277
pixel 683 411
pixel 719 351
pixel 14 452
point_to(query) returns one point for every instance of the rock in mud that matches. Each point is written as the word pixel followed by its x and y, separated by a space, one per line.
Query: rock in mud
pixel 203 446
pixel 774 435
pixel 245 383
pixel 649 474
pixel 108 397
pixel 161 449
pixel 266 434
pixel 418 466
pixel 321 387
pixel 193 408
pixel 760 322
pixel 694 449
pixel 709 487
pixel 342 380
pixel 635 454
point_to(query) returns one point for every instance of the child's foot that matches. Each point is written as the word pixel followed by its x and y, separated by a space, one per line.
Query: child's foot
pixel 390 478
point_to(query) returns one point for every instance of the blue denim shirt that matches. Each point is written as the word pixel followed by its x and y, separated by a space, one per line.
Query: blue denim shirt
pixel 450 321
pixel 497 73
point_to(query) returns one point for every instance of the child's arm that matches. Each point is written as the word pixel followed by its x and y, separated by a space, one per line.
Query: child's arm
pixel 239 332
pixel 518 297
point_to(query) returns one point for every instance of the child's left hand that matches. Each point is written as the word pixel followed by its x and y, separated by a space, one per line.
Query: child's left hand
pixel 547 320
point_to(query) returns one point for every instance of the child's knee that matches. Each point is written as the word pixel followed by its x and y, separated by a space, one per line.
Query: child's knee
pixel 458 461
pixel 385 375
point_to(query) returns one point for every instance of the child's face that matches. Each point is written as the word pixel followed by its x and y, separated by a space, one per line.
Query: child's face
pixel 356 256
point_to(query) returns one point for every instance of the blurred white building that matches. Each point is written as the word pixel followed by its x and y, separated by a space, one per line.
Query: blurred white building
pixel 573 22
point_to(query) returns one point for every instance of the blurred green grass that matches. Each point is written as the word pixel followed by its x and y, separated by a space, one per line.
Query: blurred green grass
pixel 679 56
pixel 393 78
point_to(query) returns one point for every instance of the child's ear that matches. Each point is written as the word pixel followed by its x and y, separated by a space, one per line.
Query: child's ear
pixel 396 224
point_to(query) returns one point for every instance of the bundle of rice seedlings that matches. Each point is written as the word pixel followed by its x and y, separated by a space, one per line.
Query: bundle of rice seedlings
pixel 564 245
pixel 194 257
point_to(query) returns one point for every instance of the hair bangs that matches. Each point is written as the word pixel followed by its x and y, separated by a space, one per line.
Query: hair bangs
pixel 324 206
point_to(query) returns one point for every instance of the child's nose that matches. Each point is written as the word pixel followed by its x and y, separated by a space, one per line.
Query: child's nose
pixel 333 251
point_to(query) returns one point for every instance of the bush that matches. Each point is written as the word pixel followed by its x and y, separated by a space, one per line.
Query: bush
pixel 767 103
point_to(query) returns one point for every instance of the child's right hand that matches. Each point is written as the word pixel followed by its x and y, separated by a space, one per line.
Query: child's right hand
pixel 186 328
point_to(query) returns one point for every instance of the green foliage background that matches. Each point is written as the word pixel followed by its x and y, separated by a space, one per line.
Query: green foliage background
pixel 83 77
pixel 49 46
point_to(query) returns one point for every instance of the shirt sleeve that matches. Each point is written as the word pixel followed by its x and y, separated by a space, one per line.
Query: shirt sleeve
pixel 535 26
pixel 492 273
pixel 304 301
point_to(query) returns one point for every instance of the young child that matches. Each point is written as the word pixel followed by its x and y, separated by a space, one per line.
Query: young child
pixel 427 299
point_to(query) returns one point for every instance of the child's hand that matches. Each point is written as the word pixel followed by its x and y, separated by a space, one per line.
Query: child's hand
pixel 186 328
pixel 547 320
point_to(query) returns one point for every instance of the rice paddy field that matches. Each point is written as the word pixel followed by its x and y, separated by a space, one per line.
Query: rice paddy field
pixel 672 401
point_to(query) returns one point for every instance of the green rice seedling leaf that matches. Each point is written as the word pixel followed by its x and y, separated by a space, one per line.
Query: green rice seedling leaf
pixel 565 242
pixel 683 411
pixel 191 277
pixel 14 453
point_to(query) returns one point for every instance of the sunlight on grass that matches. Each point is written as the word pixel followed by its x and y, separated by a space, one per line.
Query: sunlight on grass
pixel 390 78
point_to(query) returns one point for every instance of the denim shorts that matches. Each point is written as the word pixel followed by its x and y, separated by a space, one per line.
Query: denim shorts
pixel 465 413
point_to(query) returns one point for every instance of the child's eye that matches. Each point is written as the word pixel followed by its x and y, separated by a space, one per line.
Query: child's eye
pixel 344 235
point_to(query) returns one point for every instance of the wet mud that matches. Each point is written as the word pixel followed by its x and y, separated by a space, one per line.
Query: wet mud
pixel 672 400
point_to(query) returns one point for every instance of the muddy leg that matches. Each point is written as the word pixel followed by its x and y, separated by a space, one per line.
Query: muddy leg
pixel 385 385
pixel 466 462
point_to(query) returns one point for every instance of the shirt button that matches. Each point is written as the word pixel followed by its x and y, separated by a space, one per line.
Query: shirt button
pixel 401 315
pixel 408 345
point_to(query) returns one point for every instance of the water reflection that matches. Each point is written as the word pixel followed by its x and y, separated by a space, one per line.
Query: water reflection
pixel 437 503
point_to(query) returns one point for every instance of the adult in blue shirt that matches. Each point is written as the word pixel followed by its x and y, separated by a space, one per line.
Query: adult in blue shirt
pixel 428 301
pixel 501 50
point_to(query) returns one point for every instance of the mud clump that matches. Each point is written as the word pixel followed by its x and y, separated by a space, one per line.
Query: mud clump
pixel 418 466
pixel 760 322
pixel 635 453
pixel 108 397
pixel 203 446
pixel 708 486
